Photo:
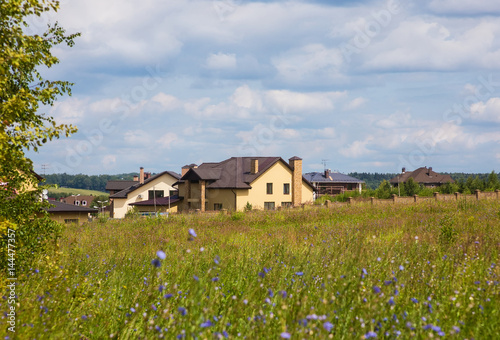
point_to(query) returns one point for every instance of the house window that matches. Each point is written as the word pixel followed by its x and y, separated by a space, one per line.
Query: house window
pixel 77 202
pixel 217 206
pixel 268 205
pixel 173 192
pixel 286 204
pixel 84 203
pixel 70 220
pixel 286 189
pixel 153 193
pixel 269 188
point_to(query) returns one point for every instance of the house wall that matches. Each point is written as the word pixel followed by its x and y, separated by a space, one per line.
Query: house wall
pixel 159 209
pixel 62 216
pixel 121 205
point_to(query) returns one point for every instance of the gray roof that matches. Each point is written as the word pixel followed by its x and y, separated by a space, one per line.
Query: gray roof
pixel 159 201
pixel 125 192
pixel 119 184
pixel 232 173
pixel 335 177
pixel 63 207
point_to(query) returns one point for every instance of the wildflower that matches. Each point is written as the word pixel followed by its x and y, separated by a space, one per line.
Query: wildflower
pixel 192 234
pixel 215 279
pixel 285 335
pixel 168 296
pixel 206 324
pixel 84 317
pixel 328 326
pixel 262 274
pixel 391 301
pixel 456 329
pixel 414 300
pixel 132 309
pixel 299 273
pixel 196 278
pixel 217 259
pixel 156 263
pixel 182 310
pixel 401 267
pixel 161 255
pixel 161 288
pixel 370 334
pixel 270 291
pixel 376 289
pixel 283 294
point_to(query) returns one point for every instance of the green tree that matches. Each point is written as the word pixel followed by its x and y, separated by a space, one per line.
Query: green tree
pixel 24 126
pixel 492 182
pixel 410 187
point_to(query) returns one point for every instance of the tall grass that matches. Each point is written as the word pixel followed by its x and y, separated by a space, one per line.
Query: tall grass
pixel 425 270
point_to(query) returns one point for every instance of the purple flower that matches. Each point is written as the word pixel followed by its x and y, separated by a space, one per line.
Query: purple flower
pixel 206 324
pixel 414 300
pixel 132 309
pixel 391 301
pixel 328 326
pixel 161 288
pixel 192 232
pixel 270 291
pixel 217 259
pixel 364 271
pixel 84 317
pixel 215 279
pixel 156 263
pixel 182 310
pixel 285 335
pixel 196 278
pixel 376 289
pixel 456 329
pixel 283 294
pixel 161 255
pixel 299 273
pixel 401 268
pixel 370 334
pixel 168 296
pixel 262 274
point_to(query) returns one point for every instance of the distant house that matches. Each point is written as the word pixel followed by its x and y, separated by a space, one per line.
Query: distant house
pixel 262 182
pixel 425 176
pixel 84 201
pixel 146 189
pixel 333 183
pixel 159 205
pixel 118 185
pixel 69 213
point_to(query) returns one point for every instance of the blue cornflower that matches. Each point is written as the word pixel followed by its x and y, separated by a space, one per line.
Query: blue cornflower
pixel 299 273
pixel 270 291
pixel 153 307
pixel 456 329
pixel 266 270
pixel 401 267
pixel 370 335
pixel 328 326
pixel 387 282
pixel 168 296
pixel 283 294
pixel 161 255
pixel 215 279
pixel 376 289
pixel 156 263
pixel 414 300
pixel 391 301
pixel 132 309
pixel 217 259
pixel 192 232
pixel 364 271
pixel 262 274
pixel 196 278
pixel 206 324
pixel 182 310
pixel 285 335
pixel 161 288
pixel 84 317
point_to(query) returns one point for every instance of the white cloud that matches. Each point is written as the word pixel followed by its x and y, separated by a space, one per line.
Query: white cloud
pixel 70 111
pixel 167 140
pixel 168 102
pixel 355 104
pixel 466 7
pixel 306 103
pixel 221 61
pixel 489 111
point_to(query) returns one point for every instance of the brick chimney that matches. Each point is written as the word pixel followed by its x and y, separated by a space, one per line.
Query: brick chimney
pixel 296 164
pixel 403 170
pixel 136 178
pixel 141 175
pixel 186 168
pixel 327 173
pixel 254 166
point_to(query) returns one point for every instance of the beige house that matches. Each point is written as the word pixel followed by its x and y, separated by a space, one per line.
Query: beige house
pixel 262 182
pixel 150 189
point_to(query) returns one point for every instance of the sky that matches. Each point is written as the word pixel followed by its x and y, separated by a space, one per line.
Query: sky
pixel 366 86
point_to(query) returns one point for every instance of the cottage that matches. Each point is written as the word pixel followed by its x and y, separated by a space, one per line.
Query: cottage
pixel 333 183
pixel 424 176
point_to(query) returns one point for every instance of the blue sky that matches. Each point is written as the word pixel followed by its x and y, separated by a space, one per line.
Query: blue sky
pixel 367 85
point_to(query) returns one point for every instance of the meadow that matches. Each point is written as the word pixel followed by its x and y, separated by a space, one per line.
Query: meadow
pixel 427 270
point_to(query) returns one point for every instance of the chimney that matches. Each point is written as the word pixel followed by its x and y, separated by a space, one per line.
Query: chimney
pixel 296 164
pixel 147 175
pixel 327 173
pixel 403 170
pixel 136 178
pixel 184 170
pixel 254 166
pixel 141 176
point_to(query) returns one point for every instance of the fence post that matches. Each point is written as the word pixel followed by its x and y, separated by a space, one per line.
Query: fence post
pixel 415 198
pixel 373 198
pixel 457 195
pixel 394 198
pixel 497 192
pixel 349 200
pixel 327 203
pixel 436 196
pixel 478 192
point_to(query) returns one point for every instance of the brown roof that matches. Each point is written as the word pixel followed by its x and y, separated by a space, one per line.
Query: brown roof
pixel 233 173
pixel 126 191
pixel 63 207
pixel 160 201
pixel 423 175
pixel 119 185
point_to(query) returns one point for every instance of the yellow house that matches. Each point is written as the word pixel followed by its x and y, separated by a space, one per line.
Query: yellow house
pixel 262 182
pixel 146 191
pixel 69 213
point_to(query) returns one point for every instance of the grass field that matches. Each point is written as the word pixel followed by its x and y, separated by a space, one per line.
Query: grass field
pixel 354 272
pixel 73 191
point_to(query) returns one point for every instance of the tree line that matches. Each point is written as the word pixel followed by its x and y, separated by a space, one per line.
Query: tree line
pixel 80 181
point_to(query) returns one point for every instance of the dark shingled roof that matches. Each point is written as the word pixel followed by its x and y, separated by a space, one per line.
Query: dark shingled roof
pixel 125 192
pixel 233 173
pixel 423 175
pixel 119 184
pixel 63 207
pixel 334 177
pixel 160 201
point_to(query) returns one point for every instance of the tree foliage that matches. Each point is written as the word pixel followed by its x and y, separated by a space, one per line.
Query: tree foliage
pixel 24 126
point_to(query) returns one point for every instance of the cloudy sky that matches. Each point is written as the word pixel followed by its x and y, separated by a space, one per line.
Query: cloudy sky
pixel 366 85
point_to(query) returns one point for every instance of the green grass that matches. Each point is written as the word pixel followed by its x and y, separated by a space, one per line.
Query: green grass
pixel 73 191
pixel 312 273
